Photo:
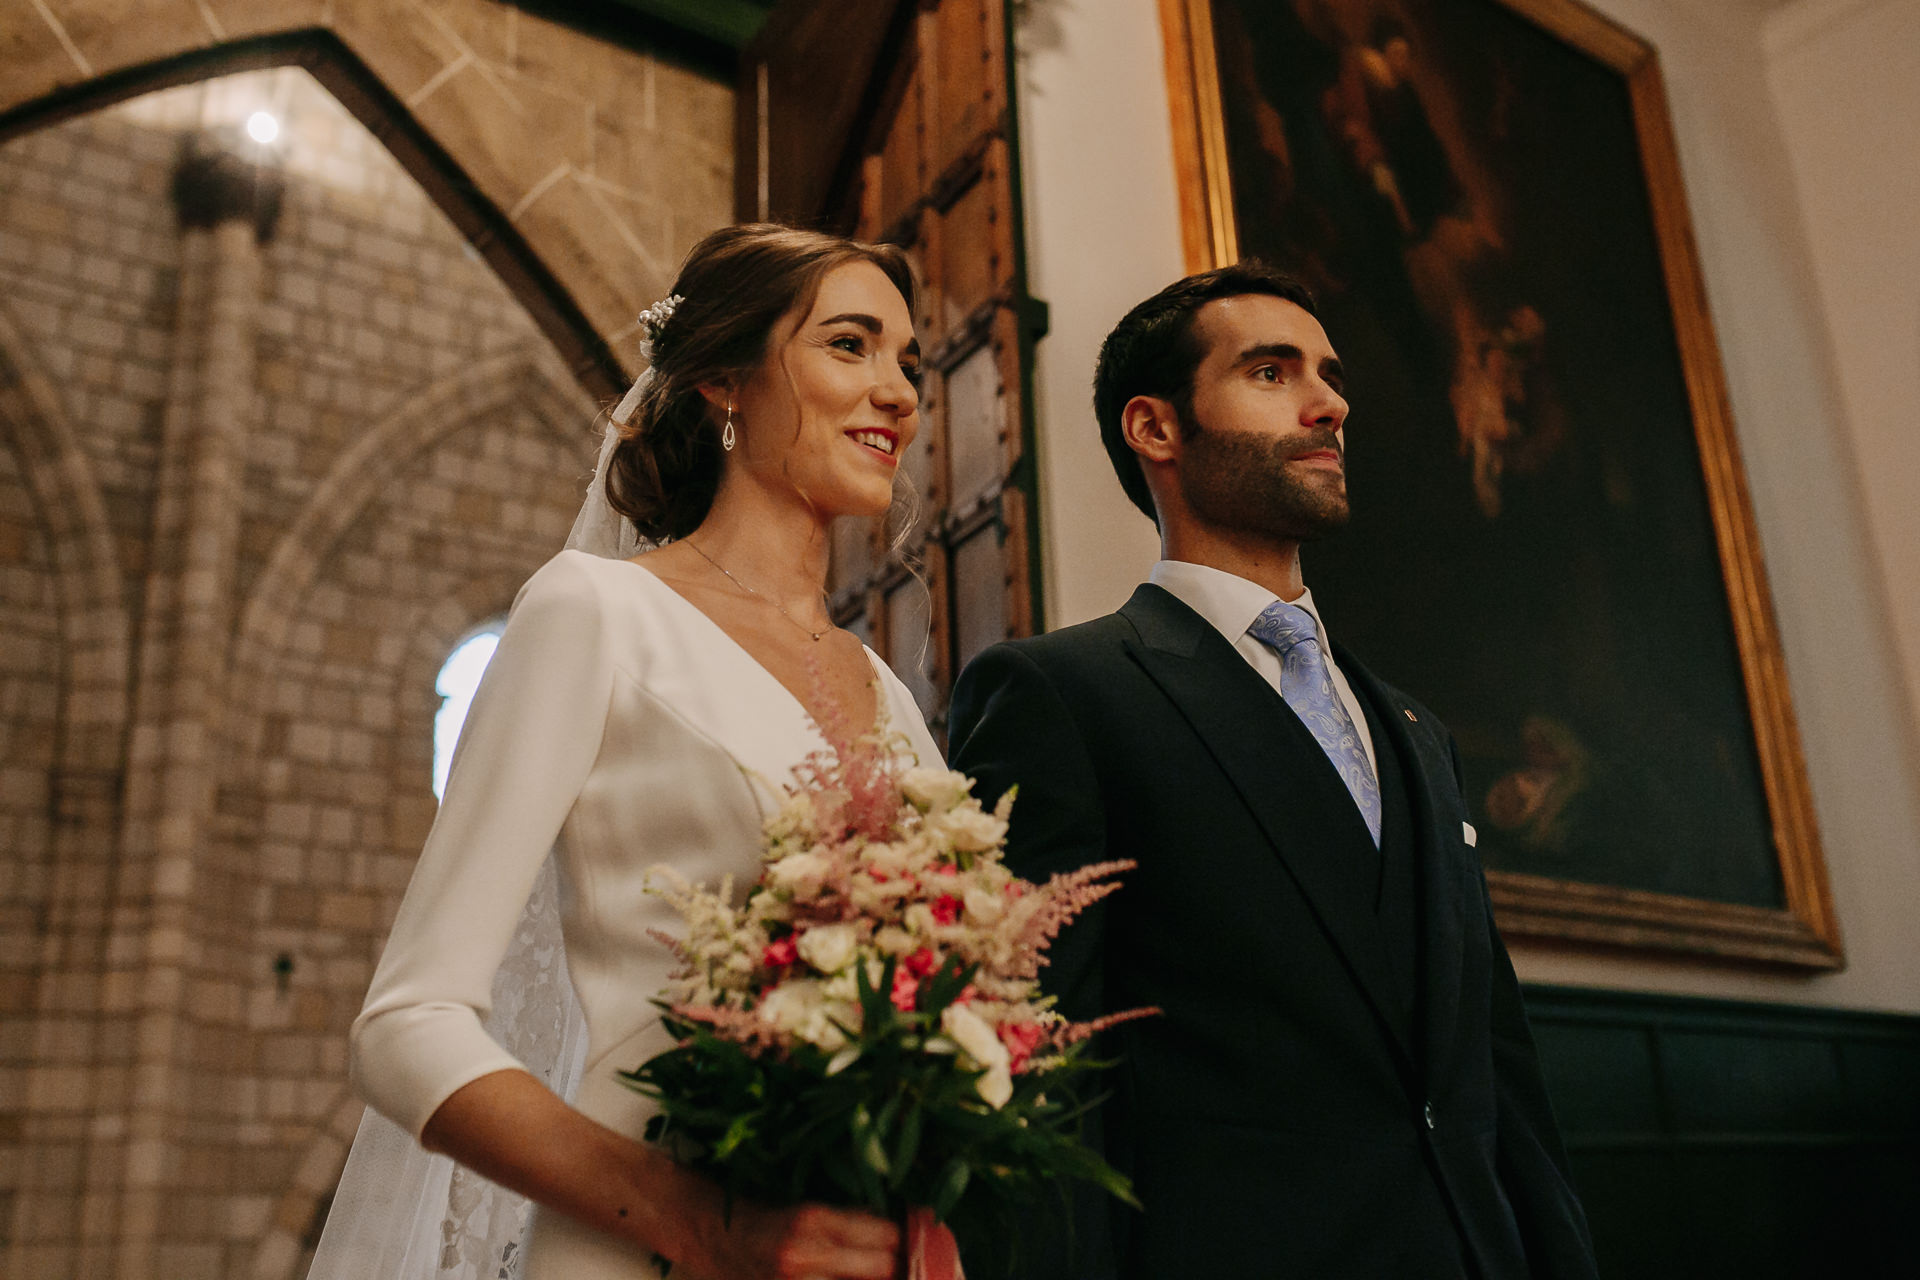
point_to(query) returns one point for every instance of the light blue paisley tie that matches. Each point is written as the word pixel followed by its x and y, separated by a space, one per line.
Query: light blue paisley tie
pixel 1307 686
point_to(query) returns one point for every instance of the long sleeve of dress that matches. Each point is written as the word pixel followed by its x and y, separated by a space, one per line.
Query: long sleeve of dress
pixel 529 743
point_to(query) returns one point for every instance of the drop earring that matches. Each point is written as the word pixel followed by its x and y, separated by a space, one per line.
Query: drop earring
pixel 727 438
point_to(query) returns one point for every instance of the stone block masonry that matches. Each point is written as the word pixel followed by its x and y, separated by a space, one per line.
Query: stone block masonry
pixel 257 479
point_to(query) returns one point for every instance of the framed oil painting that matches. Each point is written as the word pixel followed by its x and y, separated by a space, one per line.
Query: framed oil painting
pixel 1552 543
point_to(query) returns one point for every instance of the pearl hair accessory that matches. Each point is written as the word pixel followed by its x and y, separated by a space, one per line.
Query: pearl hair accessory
pixel 654 319
pixel 651 322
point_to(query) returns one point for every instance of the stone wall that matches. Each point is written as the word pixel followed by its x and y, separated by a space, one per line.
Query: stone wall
pixel 257 479
pixel 609 162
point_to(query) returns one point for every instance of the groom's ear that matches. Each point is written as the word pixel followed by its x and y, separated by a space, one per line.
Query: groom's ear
pixel 1151 429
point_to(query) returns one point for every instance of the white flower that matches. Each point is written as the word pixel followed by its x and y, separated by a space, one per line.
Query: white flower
pixel 934 789
pixel 983 906
pixel 822 1028
pixel 894 941
pixel 888 859
pixel 803 873
pixel 790 1004
pixel 978 1041
pixel 828 947
pixel 971 830
pixel 799 1008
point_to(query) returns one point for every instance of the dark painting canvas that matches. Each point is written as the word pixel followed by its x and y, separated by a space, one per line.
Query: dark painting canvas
pixel 1532 550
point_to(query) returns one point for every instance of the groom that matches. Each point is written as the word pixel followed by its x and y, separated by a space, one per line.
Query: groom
pixel 1343 1083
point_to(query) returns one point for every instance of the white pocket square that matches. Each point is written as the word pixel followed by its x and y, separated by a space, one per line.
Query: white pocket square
pixel 1467 833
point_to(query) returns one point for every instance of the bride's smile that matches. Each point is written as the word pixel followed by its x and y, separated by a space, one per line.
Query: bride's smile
pixel 828 415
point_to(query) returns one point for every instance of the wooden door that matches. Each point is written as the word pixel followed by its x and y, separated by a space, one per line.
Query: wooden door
pixel 915 145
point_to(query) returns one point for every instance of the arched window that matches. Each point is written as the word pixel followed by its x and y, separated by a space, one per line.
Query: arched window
pixel 458 678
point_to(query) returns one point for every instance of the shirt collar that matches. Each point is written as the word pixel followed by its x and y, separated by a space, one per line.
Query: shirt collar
pixel 1226 600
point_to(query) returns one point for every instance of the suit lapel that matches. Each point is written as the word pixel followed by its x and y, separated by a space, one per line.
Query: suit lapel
pixel 1246 727
pixel 1428 772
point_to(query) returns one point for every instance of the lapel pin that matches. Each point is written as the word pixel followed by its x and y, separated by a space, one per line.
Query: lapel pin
pixel 1409 715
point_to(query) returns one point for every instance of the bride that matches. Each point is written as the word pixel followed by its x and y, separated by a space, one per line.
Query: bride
pixel 637 712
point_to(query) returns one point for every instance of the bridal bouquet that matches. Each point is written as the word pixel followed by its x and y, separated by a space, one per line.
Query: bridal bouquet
pixel 863 1027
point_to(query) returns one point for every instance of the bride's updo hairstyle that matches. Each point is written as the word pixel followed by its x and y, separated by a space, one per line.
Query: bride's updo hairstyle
pixel 733 289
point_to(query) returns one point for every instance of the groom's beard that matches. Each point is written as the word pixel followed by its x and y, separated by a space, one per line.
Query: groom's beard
pixel 1244 481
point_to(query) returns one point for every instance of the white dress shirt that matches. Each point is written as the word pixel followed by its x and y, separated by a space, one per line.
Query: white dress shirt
pixel 1231 603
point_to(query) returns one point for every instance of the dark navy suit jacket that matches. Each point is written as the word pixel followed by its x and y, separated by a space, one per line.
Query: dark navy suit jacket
pixel 1335 1088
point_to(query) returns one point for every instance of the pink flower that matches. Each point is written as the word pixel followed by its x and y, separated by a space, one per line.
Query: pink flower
pixel 1021 1039
pixel 778 955
pixel 906 990
pixel 922 962
pixel 946 909
pixel 946 869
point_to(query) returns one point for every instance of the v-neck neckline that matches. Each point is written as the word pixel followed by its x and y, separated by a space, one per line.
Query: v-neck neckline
pixel 881 707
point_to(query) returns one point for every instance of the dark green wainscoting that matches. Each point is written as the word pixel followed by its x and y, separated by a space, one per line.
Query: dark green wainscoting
pixel 1711 1138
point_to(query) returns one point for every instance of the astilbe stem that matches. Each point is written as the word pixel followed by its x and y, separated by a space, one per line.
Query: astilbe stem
pixel 854 765
pixel 737 1025
pixel 1069 1033
pixel 1066 895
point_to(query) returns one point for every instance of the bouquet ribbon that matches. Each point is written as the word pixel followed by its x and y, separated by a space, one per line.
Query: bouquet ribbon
pixel 931 1251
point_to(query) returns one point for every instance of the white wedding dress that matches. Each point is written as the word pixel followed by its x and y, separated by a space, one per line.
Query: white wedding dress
pixel 619 728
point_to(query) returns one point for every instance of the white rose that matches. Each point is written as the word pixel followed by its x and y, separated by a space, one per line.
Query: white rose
pixel 801 872
pixel 788 1006
pixel 983 907
pixel 996 1087
pixel 978 1041
pixel 887 859
pixel 935 790
pixel 822 1029
pixel 828 947
pixel 894 941
pixel 972 830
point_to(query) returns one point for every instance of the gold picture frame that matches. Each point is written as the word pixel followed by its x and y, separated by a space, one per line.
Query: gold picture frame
pixel 1800 930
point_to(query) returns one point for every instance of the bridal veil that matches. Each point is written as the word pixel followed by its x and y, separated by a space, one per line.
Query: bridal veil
pixel 401 1213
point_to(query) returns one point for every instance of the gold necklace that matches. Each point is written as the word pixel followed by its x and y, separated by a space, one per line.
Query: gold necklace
pixel 811 633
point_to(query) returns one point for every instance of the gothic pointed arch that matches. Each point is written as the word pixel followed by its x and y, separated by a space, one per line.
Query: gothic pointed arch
pixel 541 143
pixel 94 622
pixel 477 393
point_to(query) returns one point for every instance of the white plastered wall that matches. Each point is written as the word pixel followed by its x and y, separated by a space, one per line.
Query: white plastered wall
pixel 1103 232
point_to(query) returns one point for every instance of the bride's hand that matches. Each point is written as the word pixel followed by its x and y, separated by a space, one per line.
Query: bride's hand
pixel 512 1129
pixel 804 1242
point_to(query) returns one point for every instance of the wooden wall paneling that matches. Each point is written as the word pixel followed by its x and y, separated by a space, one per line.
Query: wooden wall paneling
pixel 976 428
pixel 912 624
pixel 1724 1138
pixel 925 463
pixel 851 561
pixel 1009 354
pixel 1012 354
pixel 1015 549
pixel 970 268
pixel 979 587
pixel 903 155
pixel 971 92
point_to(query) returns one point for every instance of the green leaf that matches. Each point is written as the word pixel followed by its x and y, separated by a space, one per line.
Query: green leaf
pixel 906 1144
pixel 953 1184
pixel 738 1132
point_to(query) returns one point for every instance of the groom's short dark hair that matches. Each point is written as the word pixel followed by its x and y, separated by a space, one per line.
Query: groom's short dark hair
pixel 1153 352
